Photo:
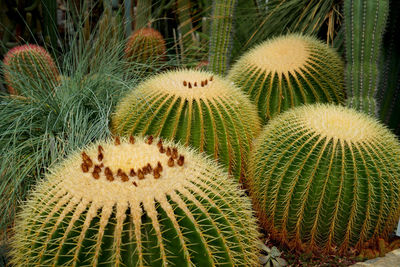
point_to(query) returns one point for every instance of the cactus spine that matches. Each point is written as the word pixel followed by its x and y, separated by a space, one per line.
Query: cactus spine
pixel 146 46
pixel 365 22
pixel 29 67
pixel 325 177
pixel 195 108
pixel 288 71
pixel 221 35
pixel 128 203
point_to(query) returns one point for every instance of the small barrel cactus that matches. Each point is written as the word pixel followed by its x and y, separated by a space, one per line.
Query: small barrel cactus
pixel 136 202
pixel 29 66
pixel 146 46
pixel 288 71
pixel 195 108
pixel 325 178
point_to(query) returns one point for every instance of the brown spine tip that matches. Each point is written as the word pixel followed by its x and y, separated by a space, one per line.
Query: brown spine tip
pixel 117 141
pixel 211 78
pixel 109 174
pixel 131 139
pixel 162 150
pixel 95 175
pixel 134 183
pixel 171 162
pixel 159 144
pixel 190 85
pixel 124 177
pixel 159 166
pixel 184 83
pixel 85 168
pixel 156 174
pixel 174 153
pixel 132 173
pixel 140 174
pixel 181 160
pixel 195 84
pixel 150 140
pixel 169 151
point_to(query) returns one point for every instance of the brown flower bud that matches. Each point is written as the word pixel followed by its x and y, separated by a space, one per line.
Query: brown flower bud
pixel 131 139
pixel 132 173
pixel 174 153
pixel 140 174
pixel 171 162
pixel 181 160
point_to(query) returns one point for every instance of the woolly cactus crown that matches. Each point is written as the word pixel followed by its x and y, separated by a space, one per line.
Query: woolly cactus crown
pixel 32 62
pixel 195 108
pixel 325 177
pixel 132 203
pixel 287 71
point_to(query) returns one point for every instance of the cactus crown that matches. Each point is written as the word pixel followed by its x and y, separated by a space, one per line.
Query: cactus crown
pixel 31 60
pixel 287 71
pixel 325 177
pixel 136 202
pixel 196 108
pixel 286 54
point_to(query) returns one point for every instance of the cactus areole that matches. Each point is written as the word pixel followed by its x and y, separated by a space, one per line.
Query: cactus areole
pixel 326 178
pixel 288 71
pixel 196 108
pixel 136 202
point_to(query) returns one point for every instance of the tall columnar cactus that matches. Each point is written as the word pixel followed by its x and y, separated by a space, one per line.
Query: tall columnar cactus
pixel 325 177
pixel 29 67
pixel 365 22
pixel 136 202
pixel 195 108
pixel 221 35
pixel 146 46
pixel 389 79
pixel 288 71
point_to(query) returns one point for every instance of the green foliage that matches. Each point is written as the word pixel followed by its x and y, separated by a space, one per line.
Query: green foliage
pixel 287 71
pixel 365 22
pixel 195 108
pixel 93 210
pixel 29 68
pixel 324 178
pixel 221 35
pixel 389 78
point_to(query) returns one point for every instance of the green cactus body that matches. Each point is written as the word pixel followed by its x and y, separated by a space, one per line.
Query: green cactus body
pixel 146 46
pixel 127 203
pixel 195 108
pixel 29 66
pixel 365 23
pixel 221 35
pixel 325 178
pixel 288 71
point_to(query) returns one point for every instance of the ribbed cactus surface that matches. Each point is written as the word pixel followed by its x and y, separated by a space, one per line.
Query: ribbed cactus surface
pixel 287 71
pixel 29 67
pixel 136 202
pixel 195 108
pixel 146 45
pixel 365 23
pixel 326 178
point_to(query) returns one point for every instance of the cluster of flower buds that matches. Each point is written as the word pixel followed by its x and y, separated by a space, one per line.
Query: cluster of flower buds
pixel 171 153
pixel 202 83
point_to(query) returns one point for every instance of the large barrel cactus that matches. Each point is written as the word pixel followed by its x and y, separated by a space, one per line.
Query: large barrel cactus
pixel 136 202
pixel 195 108
pixel 288 71
pixel 146 46
pixel 326 178
pixel 29 67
